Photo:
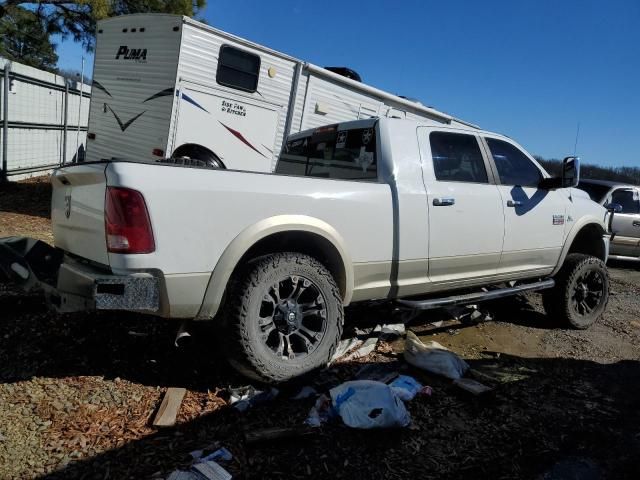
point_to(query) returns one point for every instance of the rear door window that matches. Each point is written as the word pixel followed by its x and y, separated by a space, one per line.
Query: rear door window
pixel 238 69
pixel 348 154
pixel 514 167
pixel 457 158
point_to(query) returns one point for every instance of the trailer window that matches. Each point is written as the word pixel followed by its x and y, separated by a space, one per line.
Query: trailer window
pixel 238 69
pixel 336 154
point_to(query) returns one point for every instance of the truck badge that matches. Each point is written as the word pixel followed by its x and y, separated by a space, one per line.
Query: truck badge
pixel 558 219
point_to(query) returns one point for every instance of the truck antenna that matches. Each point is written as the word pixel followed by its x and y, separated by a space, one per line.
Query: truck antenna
pixel 575 145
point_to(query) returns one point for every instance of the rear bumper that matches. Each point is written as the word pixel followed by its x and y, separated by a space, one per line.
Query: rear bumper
pixel 82 287
pixel 71 286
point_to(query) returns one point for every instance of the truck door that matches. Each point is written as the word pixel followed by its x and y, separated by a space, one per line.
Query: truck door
pixel 466 221
pixel 534 218
pixel 626 224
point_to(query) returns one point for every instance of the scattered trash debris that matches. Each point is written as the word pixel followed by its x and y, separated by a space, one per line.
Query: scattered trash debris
pixel 393 330
pixel 426 391
pixel 469 314
pixel 453 331
pixel 367 404
pixel 137 334
pixel 244 397
pixel 344 347
pixel 201 471
pixel 433 358
pixel 406 387
pixel 437 324
pixel 211 471
pixel 196 454
pixel 502 373
pixel 220 454
pixel 276 433
pixel 380 372
pixel 321 412
pixel 305 392
pixel 368 346
pixel 472 386
pixel 168 411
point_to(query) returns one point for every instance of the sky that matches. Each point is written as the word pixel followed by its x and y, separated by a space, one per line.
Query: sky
pixel 528 69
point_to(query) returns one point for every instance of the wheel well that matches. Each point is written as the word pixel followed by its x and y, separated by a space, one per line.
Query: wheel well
pixel 188 149
pixel 308 243
pixel 589 241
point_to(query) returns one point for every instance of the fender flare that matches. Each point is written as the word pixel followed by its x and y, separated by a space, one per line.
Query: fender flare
pixel 250 236
pixel 573 233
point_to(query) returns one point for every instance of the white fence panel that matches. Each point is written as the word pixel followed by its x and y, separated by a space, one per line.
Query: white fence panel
pixel 36 122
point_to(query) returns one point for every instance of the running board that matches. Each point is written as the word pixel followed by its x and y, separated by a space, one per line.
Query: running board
pixel 476 297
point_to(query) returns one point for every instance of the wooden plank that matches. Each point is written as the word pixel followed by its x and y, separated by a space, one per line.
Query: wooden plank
pixel 277 433
pixel 472 386
pixel 168 411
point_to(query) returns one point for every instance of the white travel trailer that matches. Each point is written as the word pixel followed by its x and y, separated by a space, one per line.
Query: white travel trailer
pixel 169 86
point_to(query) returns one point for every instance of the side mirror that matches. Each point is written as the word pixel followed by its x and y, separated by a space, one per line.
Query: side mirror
pixel 613 207
pixel 570 172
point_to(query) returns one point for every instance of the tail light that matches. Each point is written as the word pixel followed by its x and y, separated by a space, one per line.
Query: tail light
pixel 127 223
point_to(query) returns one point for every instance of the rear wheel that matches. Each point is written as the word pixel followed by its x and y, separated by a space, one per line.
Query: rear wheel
pixel 581 292
pixel 284 315
pixel 196 155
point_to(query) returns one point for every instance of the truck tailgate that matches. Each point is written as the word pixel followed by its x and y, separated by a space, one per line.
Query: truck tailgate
pixel 77 210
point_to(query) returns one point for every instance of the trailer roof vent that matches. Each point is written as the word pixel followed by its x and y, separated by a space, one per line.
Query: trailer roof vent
pixel 345 72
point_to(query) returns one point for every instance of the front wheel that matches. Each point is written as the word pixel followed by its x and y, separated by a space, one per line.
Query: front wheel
pixel 581 292
pixel 284 315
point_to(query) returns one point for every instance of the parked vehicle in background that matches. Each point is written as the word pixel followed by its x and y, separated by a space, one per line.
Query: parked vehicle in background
pixel 625 244
pixel 381 209
pixel 169 86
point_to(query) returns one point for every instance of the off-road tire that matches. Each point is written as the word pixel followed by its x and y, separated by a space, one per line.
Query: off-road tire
pixel 558 301
pixel 245 349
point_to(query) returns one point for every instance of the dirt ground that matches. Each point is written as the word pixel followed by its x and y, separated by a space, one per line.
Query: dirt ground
pixel 78 392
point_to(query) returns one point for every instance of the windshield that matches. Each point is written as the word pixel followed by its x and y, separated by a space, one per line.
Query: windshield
pixel 328 152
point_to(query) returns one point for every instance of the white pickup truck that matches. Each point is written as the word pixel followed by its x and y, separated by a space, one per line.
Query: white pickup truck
pixel 417 213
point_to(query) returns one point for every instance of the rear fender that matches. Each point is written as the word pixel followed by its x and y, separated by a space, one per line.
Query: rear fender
pixel 253 234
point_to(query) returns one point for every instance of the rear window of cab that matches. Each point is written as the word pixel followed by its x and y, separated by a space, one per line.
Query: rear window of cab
pixel 329 152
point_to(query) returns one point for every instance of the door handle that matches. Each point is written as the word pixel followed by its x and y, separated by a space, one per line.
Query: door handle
pixel 514 203
pixel 443 202
pixel 636 223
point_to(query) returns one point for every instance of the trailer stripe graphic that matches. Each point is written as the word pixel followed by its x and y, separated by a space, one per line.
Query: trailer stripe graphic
pixel 99 86
pixel 124 126
pixel 240 137
pixel 191 101
pixel 163 93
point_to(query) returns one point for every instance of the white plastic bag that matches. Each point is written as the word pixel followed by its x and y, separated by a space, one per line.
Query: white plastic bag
pixel 368 404
pixel 433 358
pixel 406 387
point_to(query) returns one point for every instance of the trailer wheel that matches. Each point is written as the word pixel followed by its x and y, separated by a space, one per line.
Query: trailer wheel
pixel 581 292
pixel 284 317
pixel 192 153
